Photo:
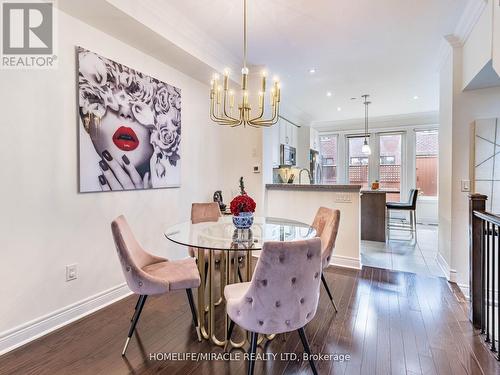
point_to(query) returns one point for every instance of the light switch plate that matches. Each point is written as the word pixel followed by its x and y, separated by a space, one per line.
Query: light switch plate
pixel 465 185
pixel 71 272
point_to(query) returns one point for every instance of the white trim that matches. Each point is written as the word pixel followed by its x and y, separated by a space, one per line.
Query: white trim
pixel 466 24
pixel 465 290
pixel 345 262
pixel 41 326
pixel 450 274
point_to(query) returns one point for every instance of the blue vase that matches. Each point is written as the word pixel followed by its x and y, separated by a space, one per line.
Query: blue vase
pixel 244 220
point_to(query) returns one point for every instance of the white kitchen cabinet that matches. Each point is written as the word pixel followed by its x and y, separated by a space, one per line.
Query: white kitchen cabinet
pixel 287 133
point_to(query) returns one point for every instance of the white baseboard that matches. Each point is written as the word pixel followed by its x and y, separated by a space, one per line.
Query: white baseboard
pixel 465 290
pixel 346 262
pixel 36 328
pixel 449 273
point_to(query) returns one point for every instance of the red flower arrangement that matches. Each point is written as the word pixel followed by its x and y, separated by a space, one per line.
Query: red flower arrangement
pixel 243 202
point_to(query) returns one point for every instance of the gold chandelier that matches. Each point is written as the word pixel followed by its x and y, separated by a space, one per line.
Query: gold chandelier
pixel 222 99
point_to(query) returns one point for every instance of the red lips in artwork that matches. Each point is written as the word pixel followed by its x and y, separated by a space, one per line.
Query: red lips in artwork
pixel 125 139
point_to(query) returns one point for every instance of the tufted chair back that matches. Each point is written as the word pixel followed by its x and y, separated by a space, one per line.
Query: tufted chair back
pixel 326 223
pixel 284 291
pixel 202 213
pixel 133 258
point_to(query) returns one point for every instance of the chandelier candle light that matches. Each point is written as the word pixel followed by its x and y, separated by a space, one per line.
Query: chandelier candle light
pixel 222 99
pixel 366 147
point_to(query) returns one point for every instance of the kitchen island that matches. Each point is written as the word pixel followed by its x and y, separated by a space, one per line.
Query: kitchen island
pixel 300 202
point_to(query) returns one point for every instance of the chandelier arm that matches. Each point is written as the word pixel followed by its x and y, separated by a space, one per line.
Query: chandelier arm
pixel 219 120
pixel 273 120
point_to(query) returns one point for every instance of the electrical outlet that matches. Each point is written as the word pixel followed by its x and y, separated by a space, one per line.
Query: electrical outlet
pixel 465 185
pixel 71 272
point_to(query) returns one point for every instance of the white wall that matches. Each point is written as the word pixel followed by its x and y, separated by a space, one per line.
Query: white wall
pixel 459 110
pixel 45 224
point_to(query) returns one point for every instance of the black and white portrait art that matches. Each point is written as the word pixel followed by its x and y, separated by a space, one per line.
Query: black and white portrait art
pixel 130 127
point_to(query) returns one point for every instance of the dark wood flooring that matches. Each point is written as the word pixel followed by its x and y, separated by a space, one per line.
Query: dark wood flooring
pixel 389 322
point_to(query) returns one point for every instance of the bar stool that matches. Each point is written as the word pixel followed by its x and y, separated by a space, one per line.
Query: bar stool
pixel 411 207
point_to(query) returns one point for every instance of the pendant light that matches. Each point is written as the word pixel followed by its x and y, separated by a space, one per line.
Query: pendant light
pixel 366 150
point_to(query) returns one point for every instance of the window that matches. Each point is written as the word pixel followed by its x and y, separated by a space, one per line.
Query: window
pixel 328 152
pixel 358 162
pixel 390 164
pixel 387 160
pixel 426 162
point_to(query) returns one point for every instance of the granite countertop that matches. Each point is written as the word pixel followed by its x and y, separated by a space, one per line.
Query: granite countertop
pixel 314 187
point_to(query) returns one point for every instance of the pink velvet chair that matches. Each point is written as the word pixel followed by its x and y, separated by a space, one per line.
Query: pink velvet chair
pixel 146 274
pixel 282 295
pixel 326 222
pixel 210 212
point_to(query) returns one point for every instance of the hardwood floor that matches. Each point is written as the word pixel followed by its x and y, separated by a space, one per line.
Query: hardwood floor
pixel 388 322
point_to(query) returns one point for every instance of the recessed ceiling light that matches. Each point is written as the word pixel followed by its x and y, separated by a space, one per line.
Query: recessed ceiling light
pixel 328 93
pixel 415 97
pixel 312 71
pixel 339 109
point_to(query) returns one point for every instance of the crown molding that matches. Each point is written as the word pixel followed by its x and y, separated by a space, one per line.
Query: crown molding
pixel 468 19
pixel 163 18
pixel 408 119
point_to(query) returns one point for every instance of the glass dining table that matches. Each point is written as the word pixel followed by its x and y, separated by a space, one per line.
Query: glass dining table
pixel 221 247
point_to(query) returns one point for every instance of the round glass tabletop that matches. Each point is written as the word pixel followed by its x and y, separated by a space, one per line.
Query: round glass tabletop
pixel 222 235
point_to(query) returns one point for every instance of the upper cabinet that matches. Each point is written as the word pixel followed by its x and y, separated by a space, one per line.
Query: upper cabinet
pixel 287 133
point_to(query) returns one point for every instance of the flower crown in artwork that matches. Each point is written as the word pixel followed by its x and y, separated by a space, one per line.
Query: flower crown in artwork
pixel 106 85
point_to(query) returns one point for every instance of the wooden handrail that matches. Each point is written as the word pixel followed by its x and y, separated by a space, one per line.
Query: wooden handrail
pixel 487 216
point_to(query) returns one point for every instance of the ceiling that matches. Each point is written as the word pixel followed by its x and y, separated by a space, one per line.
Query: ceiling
pixel 389 49
pixel 386 48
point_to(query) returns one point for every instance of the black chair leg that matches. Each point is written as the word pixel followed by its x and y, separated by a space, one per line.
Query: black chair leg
pixel 303 338
pixel 253 349
pixel 328 291
pixel 229 334
pixel 141 302
pixel 239 273
pixel 196 323
pixel 136 306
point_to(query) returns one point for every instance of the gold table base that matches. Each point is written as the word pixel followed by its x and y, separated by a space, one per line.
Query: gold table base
pixel 228 275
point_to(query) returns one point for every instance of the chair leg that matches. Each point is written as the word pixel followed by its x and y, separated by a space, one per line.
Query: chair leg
pixel 196 323
pixel 229 334
pixel 303 338
pixel 328 291
pixel 412 224
pixel 135 308
pixel 415 222
pixel 137 314
pixel 239 273
pixel 253 349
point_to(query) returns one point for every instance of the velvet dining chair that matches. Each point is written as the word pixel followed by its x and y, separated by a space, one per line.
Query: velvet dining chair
pixel 326 223
pixel 282 295
pixel 210 212
pixel 147 274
